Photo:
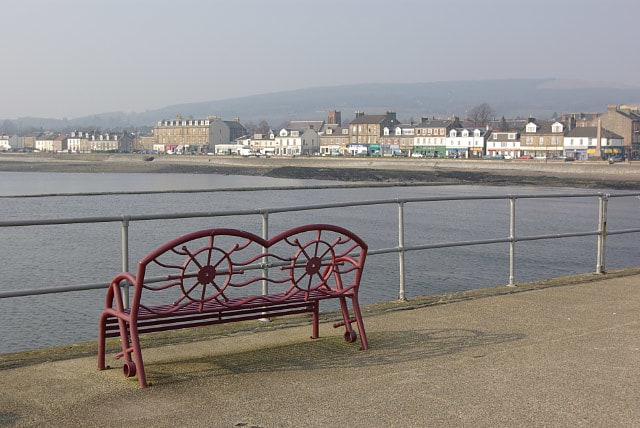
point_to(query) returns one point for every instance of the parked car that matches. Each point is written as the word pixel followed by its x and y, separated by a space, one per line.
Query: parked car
pixel 417 155
pixel 525 157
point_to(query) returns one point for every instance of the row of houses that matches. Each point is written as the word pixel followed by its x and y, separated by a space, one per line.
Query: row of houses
pixel 75 142
pixel 580 136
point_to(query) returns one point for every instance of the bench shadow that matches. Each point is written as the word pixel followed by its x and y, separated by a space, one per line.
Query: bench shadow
pixel 328 352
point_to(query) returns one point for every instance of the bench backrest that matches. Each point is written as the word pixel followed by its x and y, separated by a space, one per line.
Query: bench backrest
pixel 232 267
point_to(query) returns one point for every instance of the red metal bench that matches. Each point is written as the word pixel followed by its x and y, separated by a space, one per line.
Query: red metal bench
pixel 224 275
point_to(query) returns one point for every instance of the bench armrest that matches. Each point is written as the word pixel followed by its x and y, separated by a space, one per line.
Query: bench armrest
pixel 114 294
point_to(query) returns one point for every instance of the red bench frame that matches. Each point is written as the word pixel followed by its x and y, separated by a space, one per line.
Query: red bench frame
pixel 212 276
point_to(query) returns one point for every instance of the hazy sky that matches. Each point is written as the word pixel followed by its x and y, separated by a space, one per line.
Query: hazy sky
pixel 71 58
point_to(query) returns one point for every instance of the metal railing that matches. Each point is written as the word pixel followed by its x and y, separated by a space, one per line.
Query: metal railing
pixel 401 249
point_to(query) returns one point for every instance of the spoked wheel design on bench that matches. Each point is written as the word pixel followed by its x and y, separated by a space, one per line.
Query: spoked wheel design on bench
pixel 205 275
pixel 309 271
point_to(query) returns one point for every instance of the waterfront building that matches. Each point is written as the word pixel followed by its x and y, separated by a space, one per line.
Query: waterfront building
pixel 504 143
pixel 582 143
pixel 77 142
pixel 292 142
pixel 224 132
pixel 52 143
pixel 366 131
pixel 200 135
pixel 8 142
pixel 466 143
pixel 260 143
pixel 334 140
pixel 431 134
pixel 542 139
pixel 624 121
pixel 397 141
pixel 111 142
pixel 143 143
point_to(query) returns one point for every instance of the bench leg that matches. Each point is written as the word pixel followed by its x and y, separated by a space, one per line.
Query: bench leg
pixel 101 342
pixel 137 357
pixel 130 343
pixel 349 334
pixel 316 317
pixel 358 315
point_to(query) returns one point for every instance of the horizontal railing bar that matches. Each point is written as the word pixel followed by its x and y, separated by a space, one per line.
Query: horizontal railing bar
pixel 146 217
pixel 622 231
pixel 238 189
pixel 556 236
pixel 53 290
pixel 622 195
pixel 456 244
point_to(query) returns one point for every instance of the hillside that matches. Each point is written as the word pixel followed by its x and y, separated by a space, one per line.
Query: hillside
pixel 513 98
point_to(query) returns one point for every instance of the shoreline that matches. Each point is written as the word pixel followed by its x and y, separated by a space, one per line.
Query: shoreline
pixel 393 171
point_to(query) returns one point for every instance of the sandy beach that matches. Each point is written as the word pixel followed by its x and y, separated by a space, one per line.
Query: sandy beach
pixel 396 171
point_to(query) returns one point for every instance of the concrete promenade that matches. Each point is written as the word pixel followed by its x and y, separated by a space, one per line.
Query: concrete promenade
pixel 565 355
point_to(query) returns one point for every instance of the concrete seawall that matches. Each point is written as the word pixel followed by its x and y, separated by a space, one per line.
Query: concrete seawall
pixel 592 174
pixel 540 166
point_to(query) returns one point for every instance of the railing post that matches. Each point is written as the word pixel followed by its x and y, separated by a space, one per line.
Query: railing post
pixel 265 259
pixel 512 241
pixel 401 295
pixel 602 236
pixel 125 259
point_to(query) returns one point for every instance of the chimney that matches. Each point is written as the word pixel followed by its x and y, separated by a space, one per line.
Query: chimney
pixel 359 113
pixel 335 118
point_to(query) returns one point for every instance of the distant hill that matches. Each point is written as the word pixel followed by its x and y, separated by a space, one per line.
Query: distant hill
pixel 512 98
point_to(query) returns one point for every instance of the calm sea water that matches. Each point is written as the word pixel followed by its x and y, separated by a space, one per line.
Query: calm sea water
pixel 46 256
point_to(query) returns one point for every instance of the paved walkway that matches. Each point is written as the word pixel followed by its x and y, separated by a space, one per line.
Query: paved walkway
pixel 559 356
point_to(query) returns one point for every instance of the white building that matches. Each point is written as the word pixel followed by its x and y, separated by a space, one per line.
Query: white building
pixel 504 143
pixel 8 142
pixel 466 143
pixel 297 142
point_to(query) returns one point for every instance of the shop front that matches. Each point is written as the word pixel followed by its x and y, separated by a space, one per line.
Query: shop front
pixel 431 151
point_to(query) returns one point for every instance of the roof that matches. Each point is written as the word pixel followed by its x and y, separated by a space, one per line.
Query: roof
pixel 591 132
pixel 234 124
pixel 544 127
pixel 377 119
pixel 301 125
pixel 434 123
